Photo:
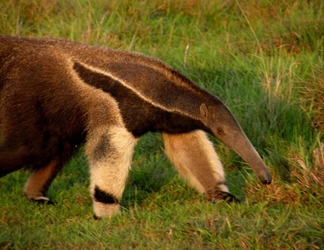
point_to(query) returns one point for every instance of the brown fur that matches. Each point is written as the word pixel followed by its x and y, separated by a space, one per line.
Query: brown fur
pixel 56 95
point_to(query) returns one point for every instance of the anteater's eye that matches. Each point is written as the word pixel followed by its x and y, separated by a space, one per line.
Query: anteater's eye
pixel 220 131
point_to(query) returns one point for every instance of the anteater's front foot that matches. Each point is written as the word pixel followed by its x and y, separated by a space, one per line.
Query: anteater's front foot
pixel 102 210
pixel 217 195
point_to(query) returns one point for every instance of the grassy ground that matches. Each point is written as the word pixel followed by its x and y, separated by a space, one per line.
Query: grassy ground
pixel 264 58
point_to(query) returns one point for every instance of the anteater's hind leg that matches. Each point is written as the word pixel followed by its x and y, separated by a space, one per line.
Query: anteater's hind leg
pixel 195 158
pixel 40 180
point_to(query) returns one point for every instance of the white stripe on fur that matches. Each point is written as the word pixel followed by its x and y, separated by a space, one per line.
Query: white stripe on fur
pixel 139 94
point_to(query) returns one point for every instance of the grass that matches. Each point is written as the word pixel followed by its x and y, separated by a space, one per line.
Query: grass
pixel 264 58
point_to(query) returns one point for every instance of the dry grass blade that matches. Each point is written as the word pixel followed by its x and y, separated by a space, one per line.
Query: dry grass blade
pixel 313 95
pixel 318 158
pixel 306 182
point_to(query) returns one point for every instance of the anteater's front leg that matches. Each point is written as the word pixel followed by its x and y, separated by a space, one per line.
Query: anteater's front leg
pixel 109 151
pixel 195 158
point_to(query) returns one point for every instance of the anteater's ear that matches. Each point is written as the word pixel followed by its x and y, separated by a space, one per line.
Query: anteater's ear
pixel 204 113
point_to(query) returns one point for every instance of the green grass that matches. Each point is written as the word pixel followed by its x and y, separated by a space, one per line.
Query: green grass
pixel 263 58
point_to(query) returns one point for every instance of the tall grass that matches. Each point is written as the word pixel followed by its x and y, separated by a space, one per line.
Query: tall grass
pixel 263 58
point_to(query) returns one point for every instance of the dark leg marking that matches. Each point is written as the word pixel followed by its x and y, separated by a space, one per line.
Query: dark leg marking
pixel 104 197
pixel 101 149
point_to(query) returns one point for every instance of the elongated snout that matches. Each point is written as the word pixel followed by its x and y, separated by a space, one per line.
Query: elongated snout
pixel 258 166
pixel 266 178
pixel 243 147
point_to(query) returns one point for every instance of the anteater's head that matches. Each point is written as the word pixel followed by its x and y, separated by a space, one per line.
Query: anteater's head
pixel 223 126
